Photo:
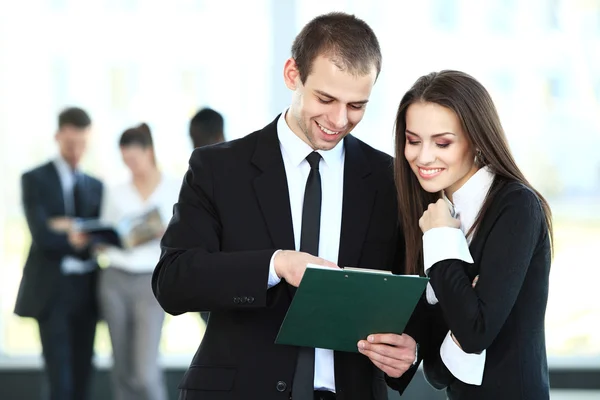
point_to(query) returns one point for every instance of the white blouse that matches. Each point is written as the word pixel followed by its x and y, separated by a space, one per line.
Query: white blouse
pixel 123 200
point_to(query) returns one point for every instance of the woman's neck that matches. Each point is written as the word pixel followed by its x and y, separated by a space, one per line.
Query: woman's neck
pixel 147 182
pixel 449 191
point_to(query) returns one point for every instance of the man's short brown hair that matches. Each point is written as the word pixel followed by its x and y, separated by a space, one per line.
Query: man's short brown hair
pixel 347 41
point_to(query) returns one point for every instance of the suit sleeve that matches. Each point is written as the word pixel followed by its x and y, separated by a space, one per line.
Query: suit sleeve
pixel 37 220
pixel 476 315
pixel 434 369
pixel 193 274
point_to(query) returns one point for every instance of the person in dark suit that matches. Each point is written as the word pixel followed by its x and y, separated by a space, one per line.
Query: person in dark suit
pixel 253 212
pixel 58 287
pixel 206 128
pixel 483 235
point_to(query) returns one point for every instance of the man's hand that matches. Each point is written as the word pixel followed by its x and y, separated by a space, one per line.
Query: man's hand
pixel 60 224
pixel 78 240
pixel 393 354
pixel 437 215
pixel 290 265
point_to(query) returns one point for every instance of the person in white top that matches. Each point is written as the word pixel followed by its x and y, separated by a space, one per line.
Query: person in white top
pixel 481 233
pixel 133 316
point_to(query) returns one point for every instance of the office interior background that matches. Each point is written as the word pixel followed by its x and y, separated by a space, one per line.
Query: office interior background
pixel 127 61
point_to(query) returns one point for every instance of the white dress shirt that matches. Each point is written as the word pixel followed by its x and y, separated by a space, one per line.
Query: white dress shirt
pixel 124 200
pixel 70 265
pixel 450 243
pixel 331 168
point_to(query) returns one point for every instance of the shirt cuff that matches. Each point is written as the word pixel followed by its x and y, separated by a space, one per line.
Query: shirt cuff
pixel 273 278
pixel 466 367
pixel 430 294
pixel 416 355
pixel 444 244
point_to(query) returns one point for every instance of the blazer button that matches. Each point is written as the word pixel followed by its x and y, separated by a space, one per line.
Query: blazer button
pixel 243 300
pixel 236 300
pixel 250 300
pixel 281 386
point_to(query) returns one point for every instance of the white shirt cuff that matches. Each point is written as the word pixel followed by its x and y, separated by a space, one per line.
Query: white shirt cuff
pixel 444 244
pixel 416 355
pixel 273 278
pixel 466 367
pixel 430 294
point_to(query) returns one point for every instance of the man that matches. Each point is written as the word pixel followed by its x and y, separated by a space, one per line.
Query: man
pixel 58 287
pixel 206 128
pixel 253 212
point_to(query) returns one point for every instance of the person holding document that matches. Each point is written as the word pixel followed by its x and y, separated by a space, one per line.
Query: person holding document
pixel 253 212
pixel 58 287
pixel 483 234
pixel 133 317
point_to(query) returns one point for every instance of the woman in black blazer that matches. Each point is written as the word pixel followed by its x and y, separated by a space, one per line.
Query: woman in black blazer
pixel 470 216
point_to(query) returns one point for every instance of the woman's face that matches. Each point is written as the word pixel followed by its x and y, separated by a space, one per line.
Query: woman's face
pixel 437 149
pixel 138 159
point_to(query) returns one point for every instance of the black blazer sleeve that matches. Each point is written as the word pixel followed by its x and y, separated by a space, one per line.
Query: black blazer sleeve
pixel 37 219
pixel 434 369
pixel 193 274
pixel 476 315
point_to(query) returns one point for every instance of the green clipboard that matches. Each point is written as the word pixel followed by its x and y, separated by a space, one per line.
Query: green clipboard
pixel 335 308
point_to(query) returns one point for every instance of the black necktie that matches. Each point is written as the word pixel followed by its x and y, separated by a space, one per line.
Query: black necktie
pixel 303 386
pixel 78 195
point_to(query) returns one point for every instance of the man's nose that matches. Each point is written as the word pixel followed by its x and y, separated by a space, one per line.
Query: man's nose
pixel 339 117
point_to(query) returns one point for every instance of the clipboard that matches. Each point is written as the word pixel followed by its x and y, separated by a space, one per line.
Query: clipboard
pixel 335 308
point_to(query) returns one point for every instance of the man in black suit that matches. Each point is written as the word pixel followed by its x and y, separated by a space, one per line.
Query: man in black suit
pixel 206 128
pixel 58 287
pixel 253 212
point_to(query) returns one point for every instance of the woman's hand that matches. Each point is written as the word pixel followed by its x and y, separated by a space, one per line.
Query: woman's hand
pixel 437 215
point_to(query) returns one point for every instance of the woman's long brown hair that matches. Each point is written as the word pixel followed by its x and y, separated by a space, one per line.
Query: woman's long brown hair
pixel 473 106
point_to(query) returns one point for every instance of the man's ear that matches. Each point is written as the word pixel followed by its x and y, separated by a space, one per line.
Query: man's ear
pixel 291 75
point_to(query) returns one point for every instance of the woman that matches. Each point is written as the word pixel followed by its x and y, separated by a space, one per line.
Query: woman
pixel 470 216
pixel 126 300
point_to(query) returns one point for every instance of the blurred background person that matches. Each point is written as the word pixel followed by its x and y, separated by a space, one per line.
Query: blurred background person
pixel 58 287
pixel 132 314
pixel 206 128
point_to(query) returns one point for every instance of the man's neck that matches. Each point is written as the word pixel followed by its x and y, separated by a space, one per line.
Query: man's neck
pixel 292 123
pixel 73 166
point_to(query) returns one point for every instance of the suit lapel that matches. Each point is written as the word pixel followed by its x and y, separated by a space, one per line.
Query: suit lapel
pixel 357 203
pixel 271 188
pixel 55 182
pixel 81 187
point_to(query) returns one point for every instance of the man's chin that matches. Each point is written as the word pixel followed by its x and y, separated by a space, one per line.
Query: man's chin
pixel 328 144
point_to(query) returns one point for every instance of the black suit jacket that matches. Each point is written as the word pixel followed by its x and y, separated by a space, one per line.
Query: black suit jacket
pixel 233 213
pixel 43 199
pixel 505 313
